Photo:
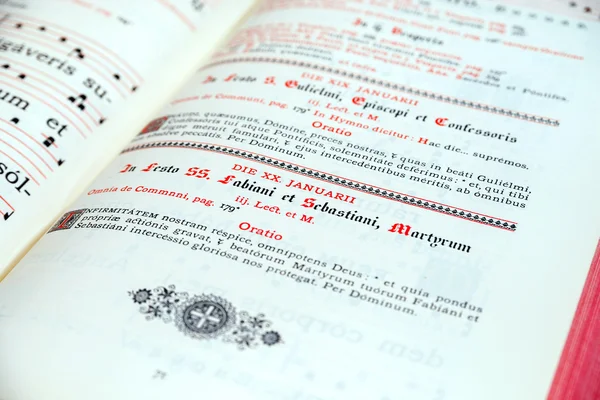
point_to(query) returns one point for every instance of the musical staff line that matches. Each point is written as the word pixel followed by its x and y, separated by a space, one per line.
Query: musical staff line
pixel 29 136
pixel 50 95
pixel 90 43
pixel 54 88
pixel 106 75
pixel 6 215
pixel 23 168
pixel 29 148
pixel 173 8
pixel 25 157
pixel 52 107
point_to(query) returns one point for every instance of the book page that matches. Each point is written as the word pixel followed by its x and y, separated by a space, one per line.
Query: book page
pixel 586 9
pixel 352 200
pixel 75 75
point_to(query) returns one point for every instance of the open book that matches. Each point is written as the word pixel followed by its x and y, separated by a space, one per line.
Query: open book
pixel 299 199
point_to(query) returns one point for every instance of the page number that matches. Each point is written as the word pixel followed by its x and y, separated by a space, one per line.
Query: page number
pixel 159 375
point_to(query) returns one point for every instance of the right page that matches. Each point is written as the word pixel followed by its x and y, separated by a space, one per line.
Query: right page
pixel 353 200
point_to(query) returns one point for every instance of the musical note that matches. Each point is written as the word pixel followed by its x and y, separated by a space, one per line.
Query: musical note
pixel 78 53
pixel 15 120
pixel 81 98
pixel 60 162
pixel 7 66
pixel 117 76
pixel 19 26
pixel 49 141
pixel 133 89
pixel 7 215
pixel 63 39
pixel 42 28
pixel 102 121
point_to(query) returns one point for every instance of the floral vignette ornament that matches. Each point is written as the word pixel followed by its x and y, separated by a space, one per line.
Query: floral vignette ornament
pixel 205 316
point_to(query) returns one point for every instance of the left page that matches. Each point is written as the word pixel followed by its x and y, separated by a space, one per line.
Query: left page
pixel 76 79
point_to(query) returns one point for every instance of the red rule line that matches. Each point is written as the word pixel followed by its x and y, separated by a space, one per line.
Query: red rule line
pixel 337 184
pixel 8 204
pixel 29 136
pixel 72 33
pixel 179 14
pixel 70 89
pixel 29 148
pixel 126 81
pixel 108 78
pixel 25 157
pixel 64 95
pixel 64 102
pixel 20 166
pixel 52 107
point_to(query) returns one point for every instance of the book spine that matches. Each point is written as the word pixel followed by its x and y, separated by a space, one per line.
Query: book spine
pixel 578 373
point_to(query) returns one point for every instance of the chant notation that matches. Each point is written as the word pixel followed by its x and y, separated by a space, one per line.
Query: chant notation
pixel 49 141
pixel 7 215
pixel 21 76
pixel 78 52
pixel 78 99
pixel 56 78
